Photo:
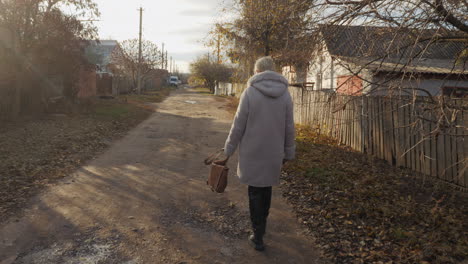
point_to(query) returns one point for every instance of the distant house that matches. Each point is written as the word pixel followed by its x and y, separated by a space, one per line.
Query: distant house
pixel 359 60
pixel 102 53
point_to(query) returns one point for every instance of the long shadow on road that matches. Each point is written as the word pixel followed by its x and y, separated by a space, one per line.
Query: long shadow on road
pixel 145 200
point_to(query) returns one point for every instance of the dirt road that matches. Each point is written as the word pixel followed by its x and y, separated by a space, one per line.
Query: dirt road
pixel 145 201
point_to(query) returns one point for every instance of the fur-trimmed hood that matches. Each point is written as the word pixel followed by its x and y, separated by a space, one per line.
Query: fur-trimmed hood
pixel 269 83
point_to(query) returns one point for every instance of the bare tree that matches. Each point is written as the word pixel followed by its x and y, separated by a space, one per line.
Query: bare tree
pixel 422 14
pixel 127 61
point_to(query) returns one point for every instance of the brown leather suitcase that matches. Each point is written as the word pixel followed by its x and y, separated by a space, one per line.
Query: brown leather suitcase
pixel 218 177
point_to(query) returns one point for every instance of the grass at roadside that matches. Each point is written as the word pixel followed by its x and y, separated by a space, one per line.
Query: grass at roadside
pixel 37 152
pixel 362 210
pixel 202 90
pixel 148 96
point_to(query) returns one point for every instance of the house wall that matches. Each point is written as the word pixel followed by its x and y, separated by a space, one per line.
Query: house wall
pixel 87 84
pixel 235 89
pixel 223 89
pixel 350 85
pixel 328 73
pixel 289 73
pixel 433 84
pixel 324 71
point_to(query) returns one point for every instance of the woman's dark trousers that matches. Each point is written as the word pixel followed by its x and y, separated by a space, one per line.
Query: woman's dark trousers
pixel 259 204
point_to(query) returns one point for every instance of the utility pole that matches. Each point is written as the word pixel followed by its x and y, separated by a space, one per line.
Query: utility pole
pixel 170 66
pixel 140 52
pixel 162 56
pixel 219 48
pixel 165 61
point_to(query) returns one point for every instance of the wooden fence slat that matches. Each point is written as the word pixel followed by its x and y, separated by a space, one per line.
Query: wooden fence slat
pixel 386 127
pixel 398 134
pixel 411 143
pixel 347 124
pixel 330 114
pixel 357 124
pixel 441 165
pixel 465 151
pixel 357 127
pixel 448 158
pixel 388 130
pixel 339 120
pixel 373 126
pixel 427 153
pixel 433 144
pixel 417 140
pixel 370 146
pixel 378 128
pixel 458 141
pixel 350 124
pixel 405 131
pixel 364 124
pixel 393 141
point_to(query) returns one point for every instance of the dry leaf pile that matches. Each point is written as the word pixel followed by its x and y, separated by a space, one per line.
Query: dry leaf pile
pixel 362 210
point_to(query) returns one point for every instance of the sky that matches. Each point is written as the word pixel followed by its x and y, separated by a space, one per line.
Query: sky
pixel 181 24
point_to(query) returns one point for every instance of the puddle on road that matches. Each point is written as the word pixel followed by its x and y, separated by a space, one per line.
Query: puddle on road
pixel 191 102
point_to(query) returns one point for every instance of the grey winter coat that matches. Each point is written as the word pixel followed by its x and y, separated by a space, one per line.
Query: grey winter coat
pixel 263 128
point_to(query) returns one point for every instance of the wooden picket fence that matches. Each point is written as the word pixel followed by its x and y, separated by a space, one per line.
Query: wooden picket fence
pixel 398 130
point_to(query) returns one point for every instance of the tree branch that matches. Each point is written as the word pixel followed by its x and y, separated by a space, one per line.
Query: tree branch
pixel 449 17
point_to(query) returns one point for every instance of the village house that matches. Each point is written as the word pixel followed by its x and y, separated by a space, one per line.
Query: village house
pixel 102 53
pixel 358 60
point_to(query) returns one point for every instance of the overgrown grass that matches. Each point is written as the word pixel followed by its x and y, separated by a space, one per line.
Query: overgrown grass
pixel 202 90
pixel 149 96
pixel 112 111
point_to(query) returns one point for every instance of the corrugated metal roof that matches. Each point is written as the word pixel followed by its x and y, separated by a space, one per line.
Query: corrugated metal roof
pixel 423 66
pixel 391 48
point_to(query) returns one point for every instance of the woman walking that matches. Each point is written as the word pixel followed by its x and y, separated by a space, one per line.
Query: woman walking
pixel 263 129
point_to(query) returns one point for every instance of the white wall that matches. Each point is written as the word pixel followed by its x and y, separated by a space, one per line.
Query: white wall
pixel 224 89
pixel 325 70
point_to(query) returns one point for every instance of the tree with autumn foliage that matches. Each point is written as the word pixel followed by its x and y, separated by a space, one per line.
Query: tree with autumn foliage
pixel 210 72
pixel 276 28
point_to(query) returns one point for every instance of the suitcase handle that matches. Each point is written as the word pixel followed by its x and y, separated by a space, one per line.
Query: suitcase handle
pixel 214 156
